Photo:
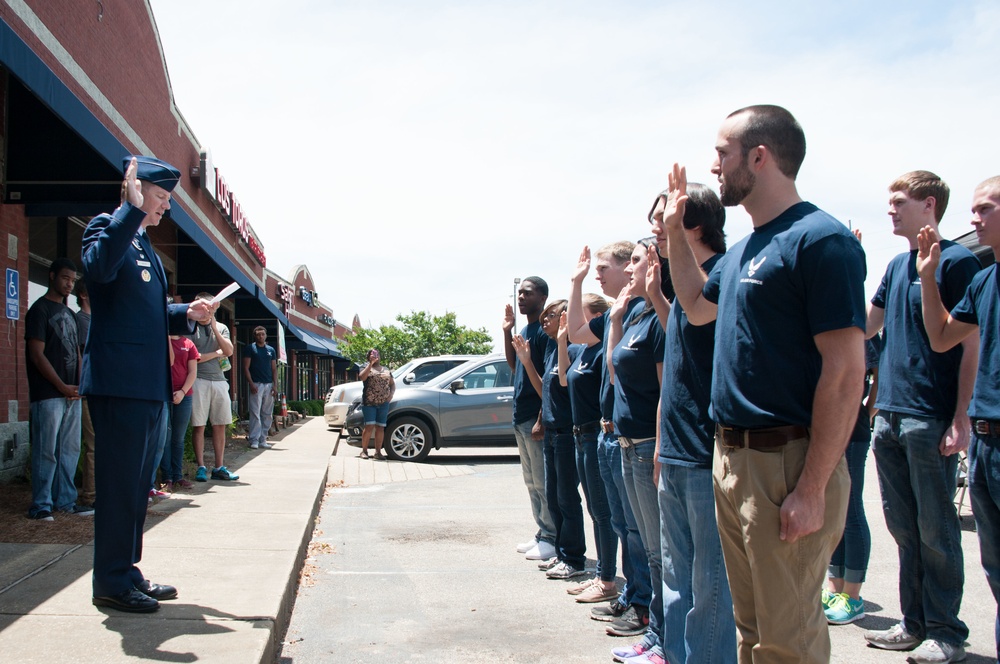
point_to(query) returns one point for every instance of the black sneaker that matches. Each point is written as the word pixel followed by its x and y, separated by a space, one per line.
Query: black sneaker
pixel 633 622
pixel 80 510
pixel 609 612
pixel 41 515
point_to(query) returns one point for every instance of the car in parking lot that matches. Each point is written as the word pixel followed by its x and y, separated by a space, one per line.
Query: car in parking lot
pixel 471 405
pixel 415 372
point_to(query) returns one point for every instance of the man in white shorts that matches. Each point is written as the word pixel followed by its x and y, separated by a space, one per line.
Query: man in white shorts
pixel 211 403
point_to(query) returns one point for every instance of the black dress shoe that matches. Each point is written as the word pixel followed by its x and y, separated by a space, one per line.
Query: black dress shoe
pixel 157 591
pixel 131 601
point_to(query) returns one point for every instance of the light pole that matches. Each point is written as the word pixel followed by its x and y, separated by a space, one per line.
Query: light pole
pixel 517 280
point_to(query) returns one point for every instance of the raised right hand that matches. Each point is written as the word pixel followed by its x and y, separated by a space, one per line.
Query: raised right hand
pixel 508 318
pixel 928 252
pixel 582 265
pixel 131 190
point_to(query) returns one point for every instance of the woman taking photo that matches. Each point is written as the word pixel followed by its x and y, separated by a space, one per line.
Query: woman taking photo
pixel 379 386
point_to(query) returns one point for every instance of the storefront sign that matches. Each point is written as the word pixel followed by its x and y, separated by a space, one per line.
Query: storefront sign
pixel 286 295
pixel 309 297
pixel 327 319
pixel 216 187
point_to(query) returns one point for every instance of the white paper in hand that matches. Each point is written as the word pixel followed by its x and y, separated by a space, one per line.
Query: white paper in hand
pixel 226 292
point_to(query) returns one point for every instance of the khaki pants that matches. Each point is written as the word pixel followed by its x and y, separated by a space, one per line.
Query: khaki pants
pixel 87 492
pixel 775 585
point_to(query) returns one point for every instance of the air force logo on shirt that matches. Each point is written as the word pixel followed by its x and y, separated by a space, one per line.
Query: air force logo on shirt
pixel 631 342
pixel 752 268
pixel 580 369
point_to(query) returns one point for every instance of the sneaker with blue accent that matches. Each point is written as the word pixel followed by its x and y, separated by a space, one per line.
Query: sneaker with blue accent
pixel 825 597
pixel 222 473
pixel 201 475
pixel 843 609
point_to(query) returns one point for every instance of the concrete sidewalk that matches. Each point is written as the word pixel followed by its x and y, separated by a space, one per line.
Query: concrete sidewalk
pixel 233 549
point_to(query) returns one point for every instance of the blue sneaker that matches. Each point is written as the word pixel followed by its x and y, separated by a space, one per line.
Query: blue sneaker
pixel 201 475
pixel 825 598
pixel 843 610
pixel 222 473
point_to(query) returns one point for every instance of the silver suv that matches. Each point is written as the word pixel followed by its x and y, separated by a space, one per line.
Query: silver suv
pixel 471 405
pixel 415 372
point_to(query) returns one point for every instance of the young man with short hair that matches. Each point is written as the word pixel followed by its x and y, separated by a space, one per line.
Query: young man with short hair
pixel 610 263
pixel 260 368
pixel 211 403
pixel 921 426
pixel 787 375
pixel 53 352
pixel 978 310
pixel 528 430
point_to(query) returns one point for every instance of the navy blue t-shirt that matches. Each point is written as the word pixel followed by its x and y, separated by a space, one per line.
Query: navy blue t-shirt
pixel 912 378
pixel 686 431
pixel 586 372
pixel 637 382
pixel 600 327
pixel 527 402
pixel 557 411
pixel 793 278
pixel 260 362
pixel 981 306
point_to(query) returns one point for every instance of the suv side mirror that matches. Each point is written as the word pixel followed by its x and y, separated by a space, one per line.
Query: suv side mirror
pixel 456 385
pixel 409 378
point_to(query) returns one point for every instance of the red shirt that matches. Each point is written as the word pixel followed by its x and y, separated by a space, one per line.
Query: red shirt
pixel 184 352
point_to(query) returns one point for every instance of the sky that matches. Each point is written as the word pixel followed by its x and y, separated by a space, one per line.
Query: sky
pixel 420 155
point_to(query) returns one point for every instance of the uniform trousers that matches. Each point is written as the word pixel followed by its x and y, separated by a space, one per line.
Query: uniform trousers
pixel 127 432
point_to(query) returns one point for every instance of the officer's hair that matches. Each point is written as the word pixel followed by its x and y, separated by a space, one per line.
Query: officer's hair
pixel 620 251
pixel 991 186
pixel 777 130
pixel 921 185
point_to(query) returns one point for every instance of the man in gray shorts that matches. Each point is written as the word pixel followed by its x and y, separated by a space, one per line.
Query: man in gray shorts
pixel 211 403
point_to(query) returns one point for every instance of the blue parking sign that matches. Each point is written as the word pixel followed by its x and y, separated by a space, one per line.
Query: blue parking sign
pixel 13 295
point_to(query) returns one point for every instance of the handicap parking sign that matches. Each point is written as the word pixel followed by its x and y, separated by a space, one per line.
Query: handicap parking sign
pixel 13 295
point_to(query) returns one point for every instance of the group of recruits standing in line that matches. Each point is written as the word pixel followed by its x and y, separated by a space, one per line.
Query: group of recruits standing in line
pixel 713 415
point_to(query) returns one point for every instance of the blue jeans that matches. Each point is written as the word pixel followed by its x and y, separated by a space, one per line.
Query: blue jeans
pixel 917 485
pixel 563 495
pixel 635 567
pixel 178 417
pixel 589 470
pixel 641 487
pixel 376 415
pixel 261 407
pixel 55 451
pixel 533 471
pixel 850 559
pixel 984 488
pixel 698 622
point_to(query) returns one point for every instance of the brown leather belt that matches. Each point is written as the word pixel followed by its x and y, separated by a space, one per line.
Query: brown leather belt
pixel 986 428
pixel 759 439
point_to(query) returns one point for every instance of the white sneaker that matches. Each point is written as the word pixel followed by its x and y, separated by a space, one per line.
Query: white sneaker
pixel 254 446
pixel 894 638
pixel 541 551
pixel 266 446
pixel 525 547
pixel 932 650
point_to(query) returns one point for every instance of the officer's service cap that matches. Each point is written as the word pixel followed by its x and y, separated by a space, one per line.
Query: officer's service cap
pixel 155 171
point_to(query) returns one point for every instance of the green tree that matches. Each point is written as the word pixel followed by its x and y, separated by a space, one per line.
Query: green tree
pixel 419 334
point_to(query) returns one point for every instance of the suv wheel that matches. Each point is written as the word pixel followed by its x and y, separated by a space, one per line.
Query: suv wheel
pixel 408 439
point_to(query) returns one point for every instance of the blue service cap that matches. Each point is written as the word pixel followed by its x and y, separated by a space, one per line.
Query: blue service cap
pixel 153 170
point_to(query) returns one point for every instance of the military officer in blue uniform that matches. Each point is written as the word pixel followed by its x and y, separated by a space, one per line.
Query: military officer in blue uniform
pixel 126 376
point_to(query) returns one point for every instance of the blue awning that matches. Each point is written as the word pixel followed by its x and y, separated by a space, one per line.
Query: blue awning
pixel 315 344
pixel 41 81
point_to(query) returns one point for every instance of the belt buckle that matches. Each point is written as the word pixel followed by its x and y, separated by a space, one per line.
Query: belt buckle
pixel 982 427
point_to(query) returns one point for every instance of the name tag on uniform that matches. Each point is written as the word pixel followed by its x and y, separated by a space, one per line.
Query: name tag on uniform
pixel 143 263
